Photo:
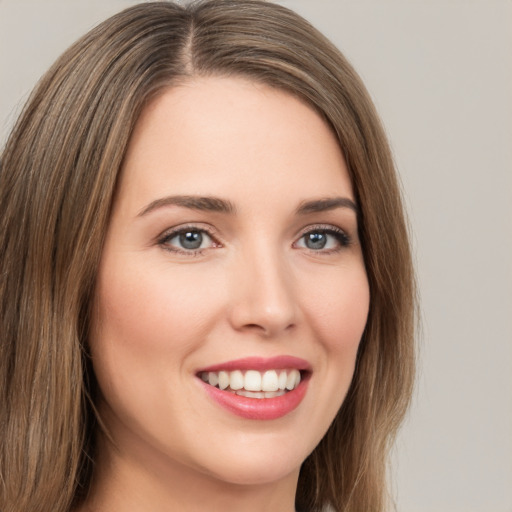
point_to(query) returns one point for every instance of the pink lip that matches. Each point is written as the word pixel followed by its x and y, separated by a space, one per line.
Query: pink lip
pixel 260 364
pixel 259 408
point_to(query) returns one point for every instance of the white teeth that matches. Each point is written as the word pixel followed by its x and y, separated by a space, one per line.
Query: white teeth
pixel 269 381
pixel 213 378
pixel 223 380
pixel 236 380
pixel 251 394
pixel 254 384
pixel 293 380
pixel 259 394
pixel 282 379
pixel 252 380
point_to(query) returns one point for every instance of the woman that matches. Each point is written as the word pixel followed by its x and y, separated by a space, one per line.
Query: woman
pixel 207 294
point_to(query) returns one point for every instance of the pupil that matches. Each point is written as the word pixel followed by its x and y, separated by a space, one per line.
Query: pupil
pixel 316 240
pixel 191 240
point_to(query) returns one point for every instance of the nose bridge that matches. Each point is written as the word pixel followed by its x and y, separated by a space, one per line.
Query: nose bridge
pixel 264 300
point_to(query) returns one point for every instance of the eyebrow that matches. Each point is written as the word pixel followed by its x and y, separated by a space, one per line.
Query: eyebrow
pixel 329 203
pixel 210 204
pixel 215 204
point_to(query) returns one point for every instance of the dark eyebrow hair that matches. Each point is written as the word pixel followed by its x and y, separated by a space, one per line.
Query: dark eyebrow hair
pixel 215 204
pixel 329 203
pixel 212 204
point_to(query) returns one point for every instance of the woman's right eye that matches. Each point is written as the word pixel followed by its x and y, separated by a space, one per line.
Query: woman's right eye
pixel 188 240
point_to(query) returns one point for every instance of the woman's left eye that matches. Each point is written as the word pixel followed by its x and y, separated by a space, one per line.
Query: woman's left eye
pixel 323 239
pixel 188 240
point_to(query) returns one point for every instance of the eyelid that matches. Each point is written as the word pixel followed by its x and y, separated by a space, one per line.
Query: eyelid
pixel 344 238
pixel 170 233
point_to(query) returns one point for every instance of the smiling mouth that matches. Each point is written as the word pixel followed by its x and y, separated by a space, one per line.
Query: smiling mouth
pixel 254 383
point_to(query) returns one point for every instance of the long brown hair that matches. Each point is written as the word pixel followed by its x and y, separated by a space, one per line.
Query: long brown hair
pixel 57 179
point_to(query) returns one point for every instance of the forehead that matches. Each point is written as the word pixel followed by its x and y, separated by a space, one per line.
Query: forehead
pixel 218 135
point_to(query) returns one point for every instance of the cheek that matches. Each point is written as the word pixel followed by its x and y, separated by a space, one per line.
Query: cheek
pixel 145 327
pixel 143 330
pixel 148 311
pixel 338 317
pixel 339 309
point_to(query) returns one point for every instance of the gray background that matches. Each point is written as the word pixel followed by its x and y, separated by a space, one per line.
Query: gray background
pixel 440 72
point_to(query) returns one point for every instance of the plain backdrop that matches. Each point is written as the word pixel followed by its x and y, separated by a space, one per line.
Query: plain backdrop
pixel 440 72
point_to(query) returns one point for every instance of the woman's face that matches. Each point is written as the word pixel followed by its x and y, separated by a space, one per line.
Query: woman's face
pixel 232 255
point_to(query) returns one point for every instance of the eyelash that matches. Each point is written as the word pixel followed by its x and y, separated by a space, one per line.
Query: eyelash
pixel 163 241
pixel 342 238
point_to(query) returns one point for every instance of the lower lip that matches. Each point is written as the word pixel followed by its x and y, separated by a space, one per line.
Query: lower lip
pixel 259 408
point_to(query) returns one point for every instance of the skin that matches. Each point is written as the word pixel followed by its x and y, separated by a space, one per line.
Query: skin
pixel 255 288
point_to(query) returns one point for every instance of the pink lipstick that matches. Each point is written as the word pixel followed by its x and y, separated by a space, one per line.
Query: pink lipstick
pixel 257 388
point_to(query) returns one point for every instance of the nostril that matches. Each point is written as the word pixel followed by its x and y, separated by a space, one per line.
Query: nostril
pixel 268 328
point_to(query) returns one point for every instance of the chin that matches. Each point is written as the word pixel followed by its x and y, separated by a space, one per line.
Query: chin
pixel 254 473
pixel 260 464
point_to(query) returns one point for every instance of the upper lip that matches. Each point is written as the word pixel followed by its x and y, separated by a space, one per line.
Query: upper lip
pixel 260 364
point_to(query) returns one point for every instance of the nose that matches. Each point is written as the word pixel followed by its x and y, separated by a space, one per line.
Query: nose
pixel 263 297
